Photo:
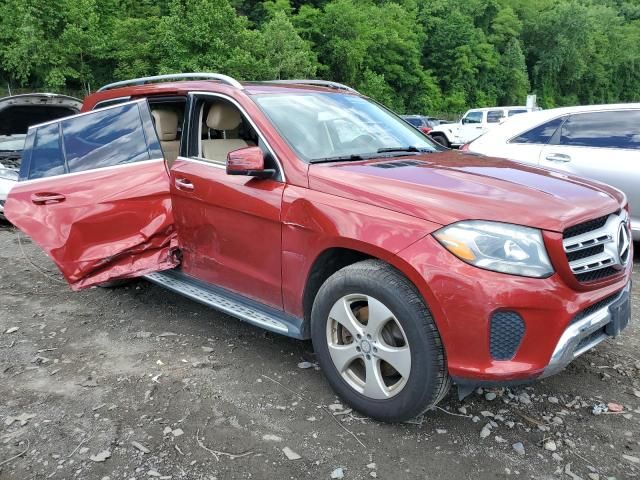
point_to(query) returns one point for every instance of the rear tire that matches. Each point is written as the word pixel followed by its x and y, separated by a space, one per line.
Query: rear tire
pixel 441 139
pixel 377 343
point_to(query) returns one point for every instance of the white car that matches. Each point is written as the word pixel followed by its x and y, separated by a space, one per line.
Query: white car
pixel 473 124
pixel 600 142
pixel 17 113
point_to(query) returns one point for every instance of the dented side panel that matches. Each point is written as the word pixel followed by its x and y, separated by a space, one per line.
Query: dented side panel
pixel 103 224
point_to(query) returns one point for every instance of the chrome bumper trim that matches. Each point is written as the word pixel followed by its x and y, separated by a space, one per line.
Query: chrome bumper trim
pixel 567 347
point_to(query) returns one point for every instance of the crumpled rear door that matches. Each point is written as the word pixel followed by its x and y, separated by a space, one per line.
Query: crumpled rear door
pixel 94 194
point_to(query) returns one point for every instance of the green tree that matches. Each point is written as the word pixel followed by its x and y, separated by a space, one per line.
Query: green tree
pixel 285 52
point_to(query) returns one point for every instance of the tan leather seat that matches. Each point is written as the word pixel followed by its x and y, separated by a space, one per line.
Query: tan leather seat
pixel 167 128
pixel 223 117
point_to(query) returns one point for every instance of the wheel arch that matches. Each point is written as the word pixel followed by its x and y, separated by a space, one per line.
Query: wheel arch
pixel 332 259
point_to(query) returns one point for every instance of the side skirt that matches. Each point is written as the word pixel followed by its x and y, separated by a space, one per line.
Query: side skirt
pixel 230 303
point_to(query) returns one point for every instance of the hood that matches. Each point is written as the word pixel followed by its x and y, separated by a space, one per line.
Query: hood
pixel 450 186
pixel 19 112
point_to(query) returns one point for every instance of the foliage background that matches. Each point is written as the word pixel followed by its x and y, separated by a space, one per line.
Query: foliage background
pixel 416 56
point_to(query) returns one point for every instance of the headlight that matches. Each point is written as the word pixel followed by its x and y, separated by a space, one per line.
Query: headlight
pixel 501 247
pixel 9 174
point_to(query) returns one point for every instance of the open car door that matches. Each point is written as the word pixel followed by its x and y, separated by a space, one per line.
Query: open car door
pixel 94 194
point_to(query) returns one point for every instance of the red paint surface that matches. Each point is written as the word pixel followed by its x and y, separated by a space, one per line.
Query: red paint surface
pixel 245 159
pixel 112 223
pixel 229 229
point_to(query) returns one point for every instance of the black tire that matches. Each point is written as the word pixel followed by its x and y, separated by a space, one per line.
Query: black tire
pixel 426 385
pixel 441 139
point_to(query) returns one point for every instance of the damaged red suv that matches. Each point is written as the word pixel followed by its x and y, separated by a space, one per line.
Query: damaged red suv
pixel 306 209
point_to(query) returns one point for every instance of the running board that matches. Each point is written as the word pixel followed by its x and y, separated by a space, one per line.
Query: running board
pixel 230 303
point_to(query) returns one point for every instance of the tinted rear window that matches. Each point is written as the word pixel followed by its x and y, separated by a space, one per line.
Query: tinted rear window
pixel 494 116
pixel 614 129
pixel 106 138
pixel 46 156
pixel 541 134
pixel 473 117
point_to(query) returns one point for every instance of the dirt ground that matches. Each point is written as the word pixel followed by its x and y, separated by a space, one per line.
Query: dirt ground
pixel 137 382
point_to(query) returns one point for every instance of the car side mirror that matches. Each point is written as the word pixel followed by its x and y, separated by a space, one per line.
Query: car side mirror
pixel 248 161
pixel 463 121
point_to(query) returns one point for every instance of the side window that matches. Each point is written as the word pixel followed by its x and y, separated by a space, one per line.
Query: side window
pixel 46 155
pixel 612 129
pixel 494 116
pixel 472 117
pixel 541 134
pixel 104 138
pixel 511 113
pixel 223 128
pixel 112 101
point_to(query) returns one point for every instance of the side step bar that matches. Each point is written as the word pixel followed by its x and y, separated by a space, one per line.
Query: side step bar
pixel 230 303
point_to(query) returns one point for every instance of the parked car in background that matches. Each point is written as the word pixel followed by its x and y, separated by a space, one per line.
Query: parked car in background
pixel 306 209
pixel 473 124
pixel 600 142
pixel 17 113
pixel 422 123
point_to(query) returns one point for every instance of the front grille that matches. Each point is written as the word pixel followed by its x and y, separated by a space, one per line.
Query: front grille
pixel 587 252
pixel 596 274
pixel 592 247
pixel 507 329
pixel 585 227
pixel 595 307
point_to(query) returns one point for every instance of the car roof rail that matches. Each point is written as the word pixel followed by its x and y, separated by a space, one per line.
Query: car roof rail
pixel 319 83
pixel 174 76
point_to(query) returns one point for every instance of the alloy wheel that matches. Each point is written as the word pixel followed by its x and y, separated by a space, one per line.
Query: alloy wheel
pixel 368 346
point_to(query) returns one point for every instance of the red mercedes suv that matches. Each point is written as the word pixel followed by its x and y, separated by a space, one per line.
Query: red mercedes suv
pixel 309 210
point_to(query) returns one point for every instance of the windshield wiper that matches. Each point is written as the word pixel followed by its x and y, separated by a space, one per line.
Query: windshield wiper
pixel 343 158
pixel 410 148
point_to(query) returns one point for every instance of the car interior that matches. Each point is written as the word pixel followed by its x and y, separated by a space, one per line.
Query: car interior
pixel 166 123
pixel 167 114
pixel 223 129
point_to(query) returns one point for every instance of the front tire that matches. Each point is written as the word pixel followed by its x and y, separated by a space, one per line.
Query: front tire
pixel 441 139
pixel 377 343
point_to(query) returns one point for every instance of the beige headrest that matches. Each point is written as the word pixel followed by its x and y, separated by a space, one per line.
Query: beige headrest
pixel 166 124
pixel 223 116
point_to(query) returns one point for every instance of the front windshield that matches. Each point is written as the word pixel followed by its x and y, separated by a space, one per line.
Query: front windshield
pixel 325 126
pixel 12 143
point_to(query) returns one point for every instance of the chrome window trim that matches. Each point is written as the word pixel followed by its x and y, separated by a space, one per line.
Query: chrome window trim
pixel 82 114
pixel 109 167
pixel 115 100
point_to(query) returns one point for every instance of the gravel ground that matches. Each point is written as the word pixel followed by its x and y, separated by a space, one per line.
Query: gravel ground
pixel 137 382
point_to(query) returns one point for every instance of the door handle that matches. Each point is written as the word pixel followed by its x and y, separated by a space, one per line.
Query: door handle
pixel 46 198
pixel 183 184
pixel 558 157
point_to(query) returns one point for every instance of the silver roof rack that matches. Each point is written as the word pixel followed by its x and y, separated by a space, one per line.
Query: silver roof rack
pixel 319 83
pixel 174 76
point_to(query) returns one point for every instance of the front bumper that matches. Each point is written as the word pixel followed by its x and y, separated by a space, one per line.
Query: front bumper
pixel 589 330
pixel 559 321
